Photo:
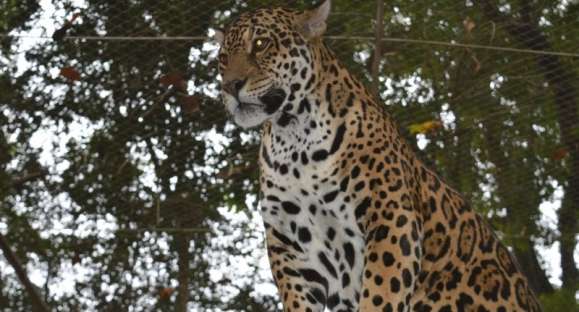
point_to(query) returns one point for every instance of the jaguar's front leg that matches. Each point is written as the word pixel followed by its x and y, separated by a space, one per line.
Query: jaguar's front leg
pixel 301 289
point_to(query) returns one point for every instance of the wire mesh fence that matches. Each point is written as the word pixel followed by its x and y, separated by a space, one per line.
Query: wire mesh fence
pixel 125 187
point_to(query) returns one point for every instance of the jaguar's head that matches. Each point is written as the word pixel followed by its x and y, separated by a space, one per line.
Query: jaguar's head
pixel 265 56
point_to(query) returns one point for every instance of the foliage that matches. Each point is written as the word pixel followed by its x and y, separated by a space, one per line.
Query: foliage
pixel 560 300
pixel 115 155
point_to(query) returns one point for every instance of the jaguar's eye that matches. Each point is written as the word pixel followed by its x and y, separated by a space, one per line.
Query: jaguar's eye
pixel 223 59
pixel 260 44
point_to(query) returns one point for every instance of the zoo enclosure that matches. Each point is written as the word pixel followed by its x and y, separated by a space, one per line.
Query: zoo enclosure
pixel 149 151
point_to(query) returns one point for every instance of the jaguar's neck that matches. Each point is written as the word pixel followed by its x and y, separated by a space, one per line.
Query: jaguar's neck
pixel 338 91
pixel 315 108
pixel 323 97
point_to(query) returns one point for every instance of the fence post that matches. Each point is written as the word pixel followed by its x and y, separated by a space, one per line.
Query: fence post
pixel 379 35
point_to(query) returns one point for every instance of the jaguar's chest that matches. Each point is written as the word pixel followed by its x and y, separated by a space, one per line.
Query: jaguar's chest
pixel 297 177
pixel 305 206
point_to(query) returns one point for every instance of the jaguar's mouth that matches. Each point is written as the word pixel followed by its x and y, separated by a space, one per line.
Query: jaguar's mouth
pixel 248 111
pixel 246 105
pixel 273 100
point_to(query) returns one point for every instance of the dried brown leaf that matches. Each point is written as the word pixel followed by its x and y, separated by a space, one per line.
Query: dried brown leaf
pixel 468 24
pixel 174 79
pixel 70 73
pixel 190 104
pixel 165 293
pixel 559 153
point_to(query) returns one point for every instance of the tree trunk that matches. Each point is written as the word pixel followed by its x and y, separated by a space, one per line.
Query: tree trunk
pixel 182 241
pixel 560 80
pixel 520 209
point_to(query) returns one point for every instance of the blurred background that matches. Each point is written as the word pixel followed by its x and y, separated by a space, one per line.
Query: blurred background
pixel 124 186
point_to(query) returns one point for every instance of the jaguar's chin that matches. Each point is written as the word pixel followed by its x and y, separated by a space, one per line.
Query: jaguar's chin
pixel 244 114
pixel 249 116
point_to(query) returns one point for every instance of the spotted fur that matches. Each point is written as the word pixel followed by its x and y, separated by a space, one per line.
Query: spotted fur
pixel 354 221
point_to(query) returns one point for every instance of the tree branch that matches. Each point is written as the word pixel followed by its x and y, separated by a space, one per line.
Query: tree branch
pixel 38 304
pixel 19 181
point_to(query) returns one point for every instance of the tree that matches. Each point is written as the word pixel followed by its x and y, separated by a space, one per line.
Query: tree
pixel 115 153
pixel 526 30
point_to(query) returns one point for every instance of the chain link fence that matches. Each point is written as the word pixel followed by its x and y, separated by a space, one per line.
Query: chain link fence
pixel 126 187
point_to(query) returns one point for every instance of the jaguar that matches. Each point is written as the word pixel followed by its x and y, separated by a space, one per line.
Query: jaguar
pixel 354 220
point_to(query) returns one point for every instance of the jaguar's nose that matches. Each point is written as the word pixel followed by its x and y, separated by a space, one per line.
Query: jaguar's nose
pixel 232 87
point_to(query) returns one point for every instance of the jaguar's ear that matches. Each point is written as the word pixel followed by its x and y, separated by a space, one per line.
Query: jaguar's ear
pixel 219 36
pixel 312 23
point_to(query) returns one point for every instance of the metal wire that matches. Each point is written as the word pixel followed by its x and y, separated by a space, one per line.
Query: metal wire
pixel 357 38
